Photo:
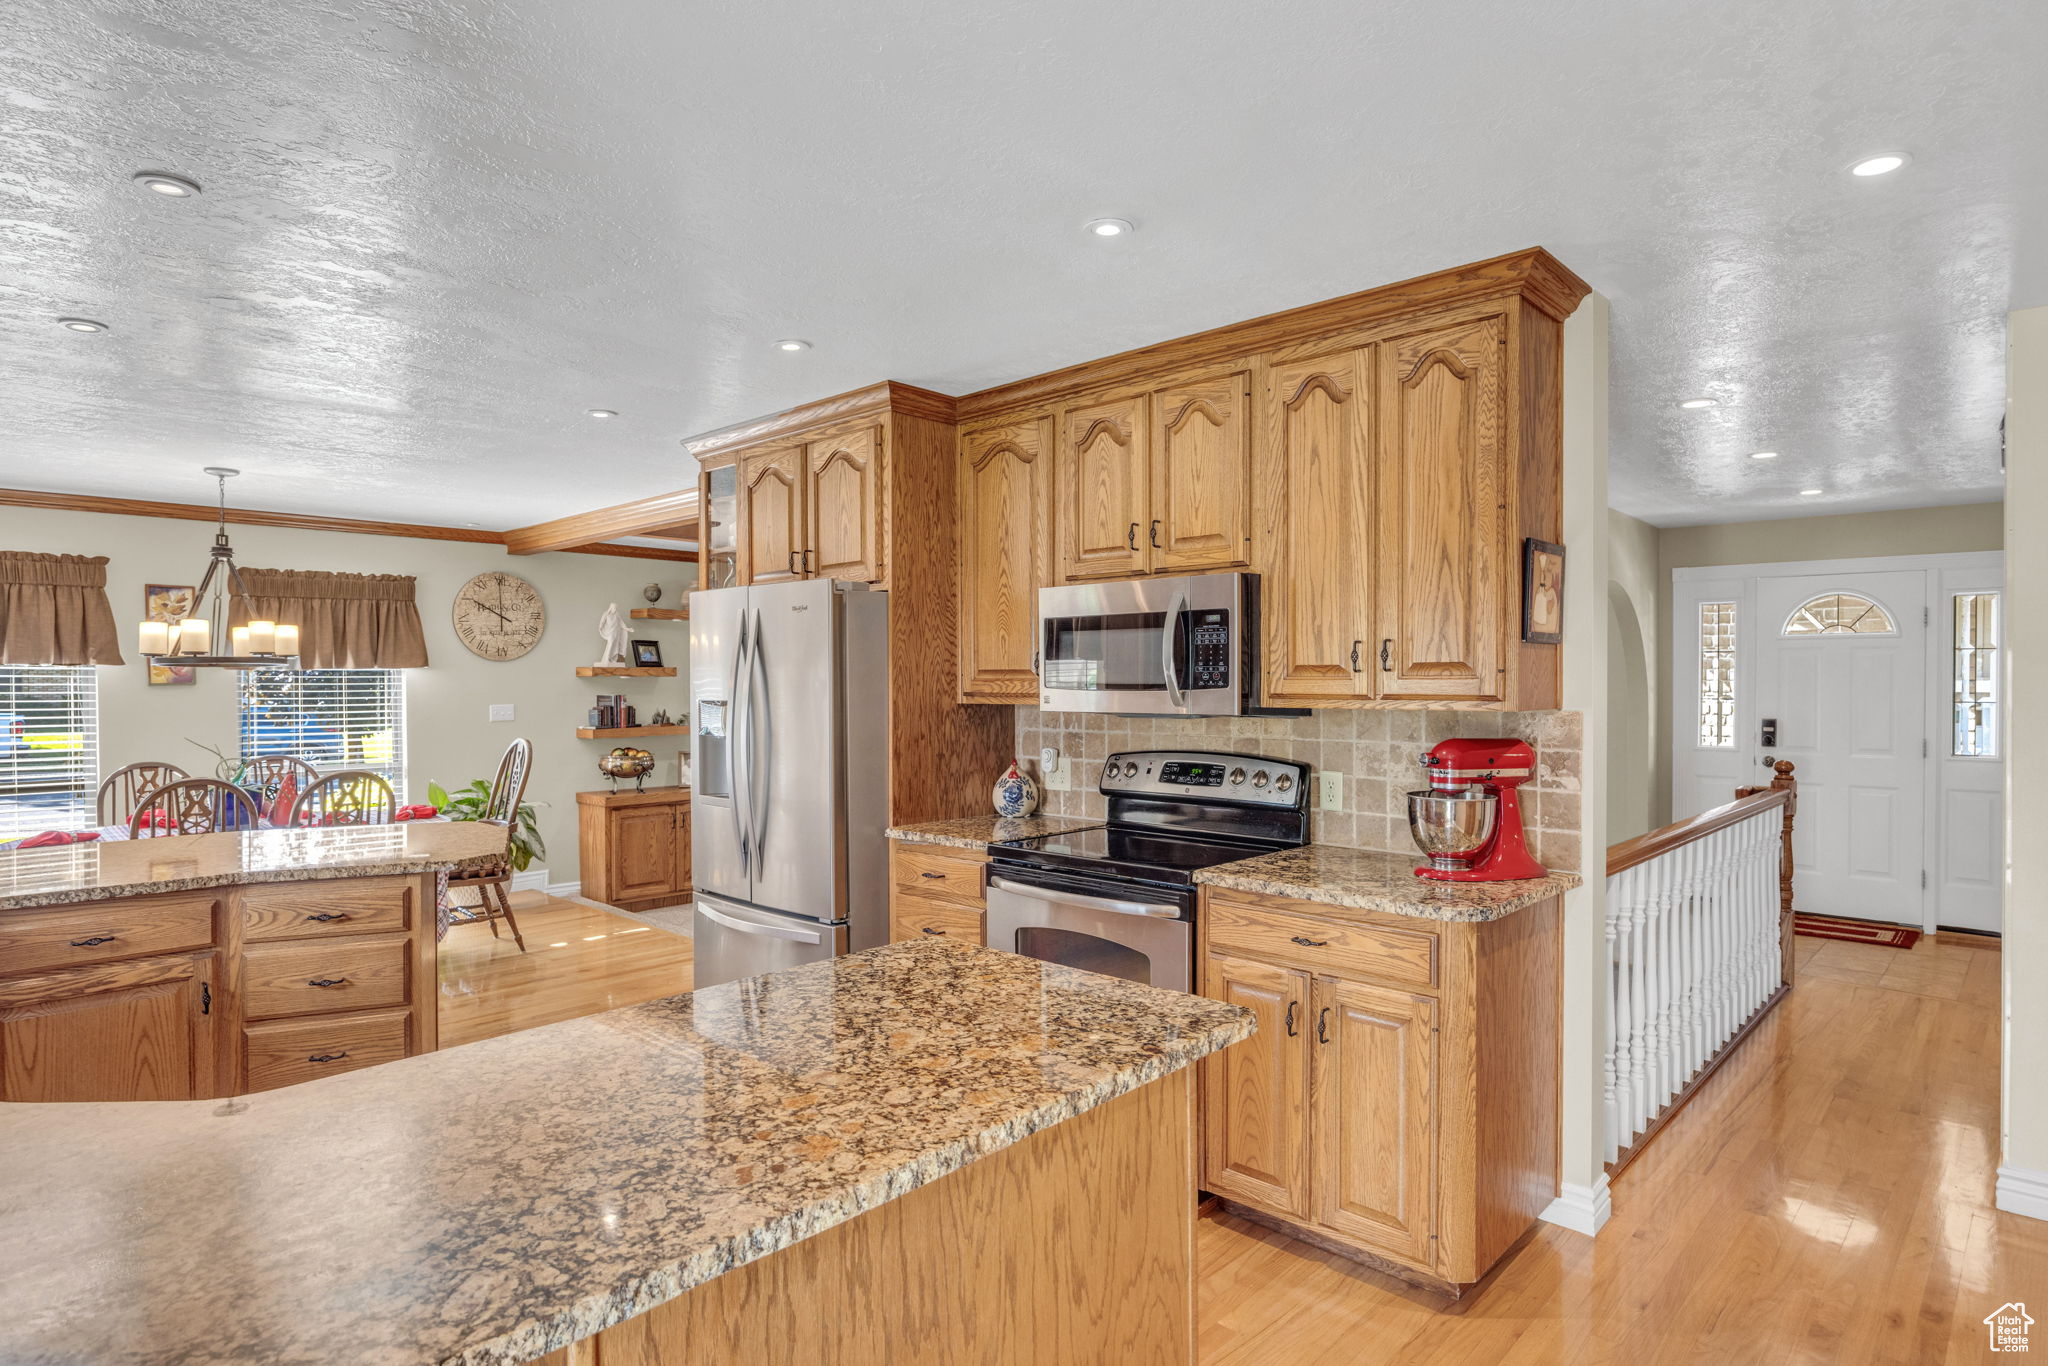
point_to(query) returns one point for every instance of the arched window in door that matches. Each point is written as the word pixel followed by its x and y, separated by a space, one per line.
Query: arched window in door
pixel 1839 614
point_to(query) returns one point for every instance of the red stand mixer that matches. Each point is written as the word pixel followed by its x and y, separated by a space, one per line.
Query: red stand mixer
pixel 1468 820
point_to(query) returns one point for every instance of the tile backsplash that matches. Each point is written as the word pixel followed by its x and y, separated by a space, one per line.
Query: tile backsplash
pixel 1378 753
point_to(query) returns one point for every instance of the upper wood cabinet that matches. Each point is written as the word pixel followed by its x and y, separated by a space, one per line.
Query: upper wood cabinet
pixel 843 506
pixel 1104 526
pixel 1446 575
pixel 1004 483
pixel 771 515
pixel 1202 475
pixel 1318 611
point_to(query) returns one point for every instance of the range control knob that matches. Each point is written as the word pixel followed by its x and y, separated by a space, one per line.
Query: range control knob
pixel 1130 768
pixel 1261 778
pixel 1236 776
pixel 1109 771
pixel 1284 783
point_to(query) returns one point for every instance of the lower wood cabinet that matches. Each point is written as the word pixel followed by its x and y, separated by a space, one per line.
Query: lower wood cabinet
pixel 935 893
pixel 634 847
pixel 140 1029
pixel 1399 1099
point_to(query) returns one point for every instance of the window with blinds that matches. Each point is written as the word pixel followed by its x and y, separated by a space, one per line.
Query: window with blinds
pixel 332 718
pixel 49 748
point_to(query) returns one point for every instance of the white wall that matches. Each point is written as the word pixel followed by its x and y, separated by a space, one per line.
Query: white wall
pixel 1635 733
pixel 2023 1172
pixel 449 736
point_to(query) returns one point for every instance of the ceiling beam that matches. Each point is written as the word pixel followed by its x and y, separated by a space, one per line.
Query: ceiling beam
pixel 580 532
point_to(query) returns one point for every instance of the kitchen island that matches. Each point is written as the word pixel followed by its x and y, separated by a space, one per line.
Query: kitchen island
pixel 195 966
pixel 921 1153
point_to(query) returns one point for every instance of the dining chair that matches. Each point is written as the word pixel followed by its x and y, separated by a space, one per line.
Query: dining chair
pixel 267 772
pixel 192 806
pixel 495 881
pixel 125 788
pixel 352 797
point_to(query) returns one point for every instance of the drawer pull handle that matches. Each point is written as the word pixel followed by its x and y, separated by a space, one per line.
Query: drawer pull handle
pixel 326 916
pixel 96 939
pixel 929 930
pixel 936 875
pixel 1292 1006
pixel 1309 943
pixel 1323 1025
pixel 328 1057
pixel 327 981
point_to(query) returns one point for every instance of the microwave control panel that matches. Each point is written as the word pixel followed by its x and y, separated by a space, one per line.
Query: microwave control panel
pixel 1209 649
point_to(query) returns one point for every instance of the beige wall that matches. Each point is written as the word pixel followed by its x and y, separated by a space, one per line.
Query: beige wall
pixel 1635 733
pixel 2025 956
pixel 449 736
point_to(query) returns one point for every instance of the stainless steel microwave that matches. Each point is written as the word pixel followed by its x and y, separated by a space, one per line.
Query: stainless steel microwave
pixel 1155 647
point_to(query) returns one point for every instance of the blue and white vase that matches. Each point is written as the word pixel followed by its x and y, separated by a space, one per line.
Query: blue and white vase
pixel 1015 794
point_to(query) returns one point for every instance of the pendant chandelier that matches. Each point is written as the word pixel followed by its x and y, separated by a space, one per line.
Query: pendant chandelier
pixel 188 642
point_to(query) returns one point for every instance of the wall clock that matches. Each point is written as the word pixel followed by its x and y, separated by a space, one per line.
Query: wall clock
pixel 499 616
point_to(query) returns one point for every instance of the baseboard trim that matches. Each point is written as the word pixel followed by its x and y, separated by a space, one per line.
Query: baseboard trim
pixel 2023 1192
pixel 562 889
pixel 1582 1209
pixel 532 880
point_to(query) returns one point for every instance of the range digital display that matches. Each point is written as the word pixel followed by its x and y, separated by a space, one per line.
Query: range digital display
pixel 1194 775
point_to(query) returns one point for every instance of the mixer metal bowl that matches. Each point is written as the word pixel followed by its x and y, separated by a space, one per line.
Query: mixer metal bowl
pixel 1452 826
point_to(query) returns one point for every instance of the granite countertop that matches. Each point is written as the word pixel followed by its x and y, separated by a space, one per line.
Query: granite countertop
pixel 1365 880
pixel 174 863
pixel 978 832
pixel 490 1203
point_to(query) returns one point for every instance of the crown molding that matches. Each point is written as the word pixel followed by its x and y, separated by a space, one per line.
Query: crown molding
pixel 888 396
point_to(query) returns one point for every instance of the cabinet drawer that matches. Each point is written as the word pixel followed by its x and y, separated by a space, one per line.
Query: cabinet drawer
pixel 1405 957
pixel 924 871
pixel 917 917
pixel 314 978
pixel 291 1051
pixel 301 910
pixel 31 941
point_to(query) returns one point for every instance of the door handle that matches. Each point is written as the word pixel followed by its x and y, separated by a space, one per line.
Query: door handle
pixel 1090 903
pixel 1387 655
pixel 738 763
pixel 1356 646
pixel 792 564
pixel 760 744
pixel 1131 536
pixel 749 927
pixel 1323 1025
pixel 1292 1006
pixel 1155 533
pixel 807 560
pixel 1169 662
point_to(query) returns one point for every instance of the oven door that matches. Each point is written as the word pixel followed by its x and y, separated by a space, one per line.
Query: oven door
pixel 1137 934
pixel 1163 647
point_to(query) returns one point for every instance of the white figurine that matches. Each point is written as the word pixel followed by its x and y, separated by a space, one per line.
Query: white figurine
pixel 611 628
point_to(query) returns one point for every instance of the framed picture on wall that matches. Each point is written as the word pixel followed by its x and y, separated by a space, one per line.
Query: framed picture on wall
pixel 647 654
pixel 168 602
pixel 1542 592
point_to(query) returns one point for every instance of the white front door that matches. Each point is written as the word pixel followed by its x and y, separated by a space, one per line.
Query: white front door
pixel 1842 676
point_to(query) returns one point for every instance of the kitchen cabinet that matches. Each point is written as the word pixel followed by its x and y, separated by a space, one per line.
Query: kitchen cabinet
pixel 138 1029
pixel 843 507
pixel 1005 484
pixel 1103 474
pixel 1202 475
pixel 634 847
pixel 1399 1100
pixel 935 892
pixel 771 515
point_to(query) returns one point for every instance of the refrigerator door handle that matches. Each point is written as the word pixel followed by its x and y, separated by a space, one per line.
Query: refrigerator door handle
pixel 739 753
pixel 760 743
pixel 739 926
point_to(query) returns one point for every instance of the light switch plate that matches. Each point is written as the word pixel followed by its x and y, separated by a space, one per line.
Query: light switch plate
pixel 1332 790
pixel 501 711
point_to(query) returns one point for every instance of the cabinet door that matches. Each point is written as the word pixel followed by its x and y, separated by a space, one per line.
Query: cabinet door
pixel 843 502
pixel 1442 495
pixel 643 852
pixel 1255 1103
pixel 143 1029
pixel 1319 616
pixel 1202 475
pixel 771 515
pixel 1105 494
pixel 682 880
pixel 1004 492
pixel 1374 1087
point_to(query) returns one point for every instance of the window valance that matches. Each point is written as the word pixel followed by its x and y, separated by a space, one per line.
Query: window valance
pixel 53 610
pixel 345 621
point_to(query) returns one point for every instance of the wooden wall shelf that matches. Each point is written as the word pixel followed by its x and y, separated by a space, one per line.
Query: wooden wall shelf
pixel 621 732
pixel 661 614
pixel 621 671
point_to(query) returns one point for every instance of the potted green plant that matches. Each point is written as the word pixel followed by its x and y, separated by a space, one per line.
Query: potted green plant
pixel 469 803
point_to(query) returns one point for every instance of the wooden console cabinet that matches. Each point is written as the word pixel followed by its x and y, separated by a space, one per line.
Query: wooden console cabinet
pixel 634 847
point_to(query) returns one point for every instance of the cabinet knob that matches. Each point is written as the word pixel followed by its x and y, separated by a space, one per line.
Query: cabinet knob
pixel 327 981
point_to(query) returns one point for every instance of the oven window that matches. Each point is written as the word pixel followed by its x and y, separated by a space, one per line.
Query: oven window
pixel 1084 951
pixel 1117 653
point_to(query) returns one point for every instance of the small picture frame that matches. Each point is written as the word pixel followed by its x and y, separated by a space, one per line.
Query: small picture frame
pixel 647 654
pixel 1542 592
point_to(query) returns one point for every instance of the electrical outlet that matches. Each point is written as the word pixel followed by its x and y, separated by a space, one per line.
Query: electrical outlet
pixel 1332 790
pixel 501 711
pixel 1056 772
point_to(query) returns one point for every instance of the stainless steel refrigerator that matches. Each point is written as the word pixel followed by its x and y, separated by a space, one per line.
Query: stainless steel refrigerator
pixel 789 710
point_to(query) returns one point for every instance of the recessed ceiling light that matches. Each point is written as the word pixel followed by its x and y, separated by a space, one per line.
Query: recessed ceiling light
pixel 1763 455
pixel 166 184
pixel 792 344
pixel 602 413
pixel 1698 402
pixel 1809 493
pixel 1110 227
pixel 1884 165
pixel 82 324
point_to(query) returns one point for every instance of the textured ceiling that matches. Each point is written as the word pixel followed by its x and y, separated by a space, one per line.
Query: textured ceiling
pixel 434 233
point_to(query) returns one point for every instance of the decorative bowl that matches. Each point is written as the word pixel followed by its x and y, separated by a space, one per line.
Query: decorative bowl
pixel 626 762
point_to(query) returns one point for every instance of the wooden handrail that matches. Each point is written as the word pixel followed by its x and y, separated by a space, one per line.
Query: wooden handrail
pixel 1749 801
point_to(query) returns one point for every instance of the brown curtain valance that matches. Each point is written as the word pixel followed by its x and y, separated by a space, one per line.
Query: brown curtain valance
pixel 53 610
pixel 345 621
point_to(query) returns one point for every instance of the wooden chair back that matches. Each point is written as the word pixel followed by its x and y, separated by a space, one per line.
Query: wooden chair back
pixel 193 806
pixel 353 797
pixel 510 786
pixel 267 772
pixel 122 793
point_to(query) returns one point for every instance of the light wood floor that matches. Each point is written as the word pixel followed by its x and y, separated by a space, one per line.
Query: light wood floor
pixel 1826 1198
